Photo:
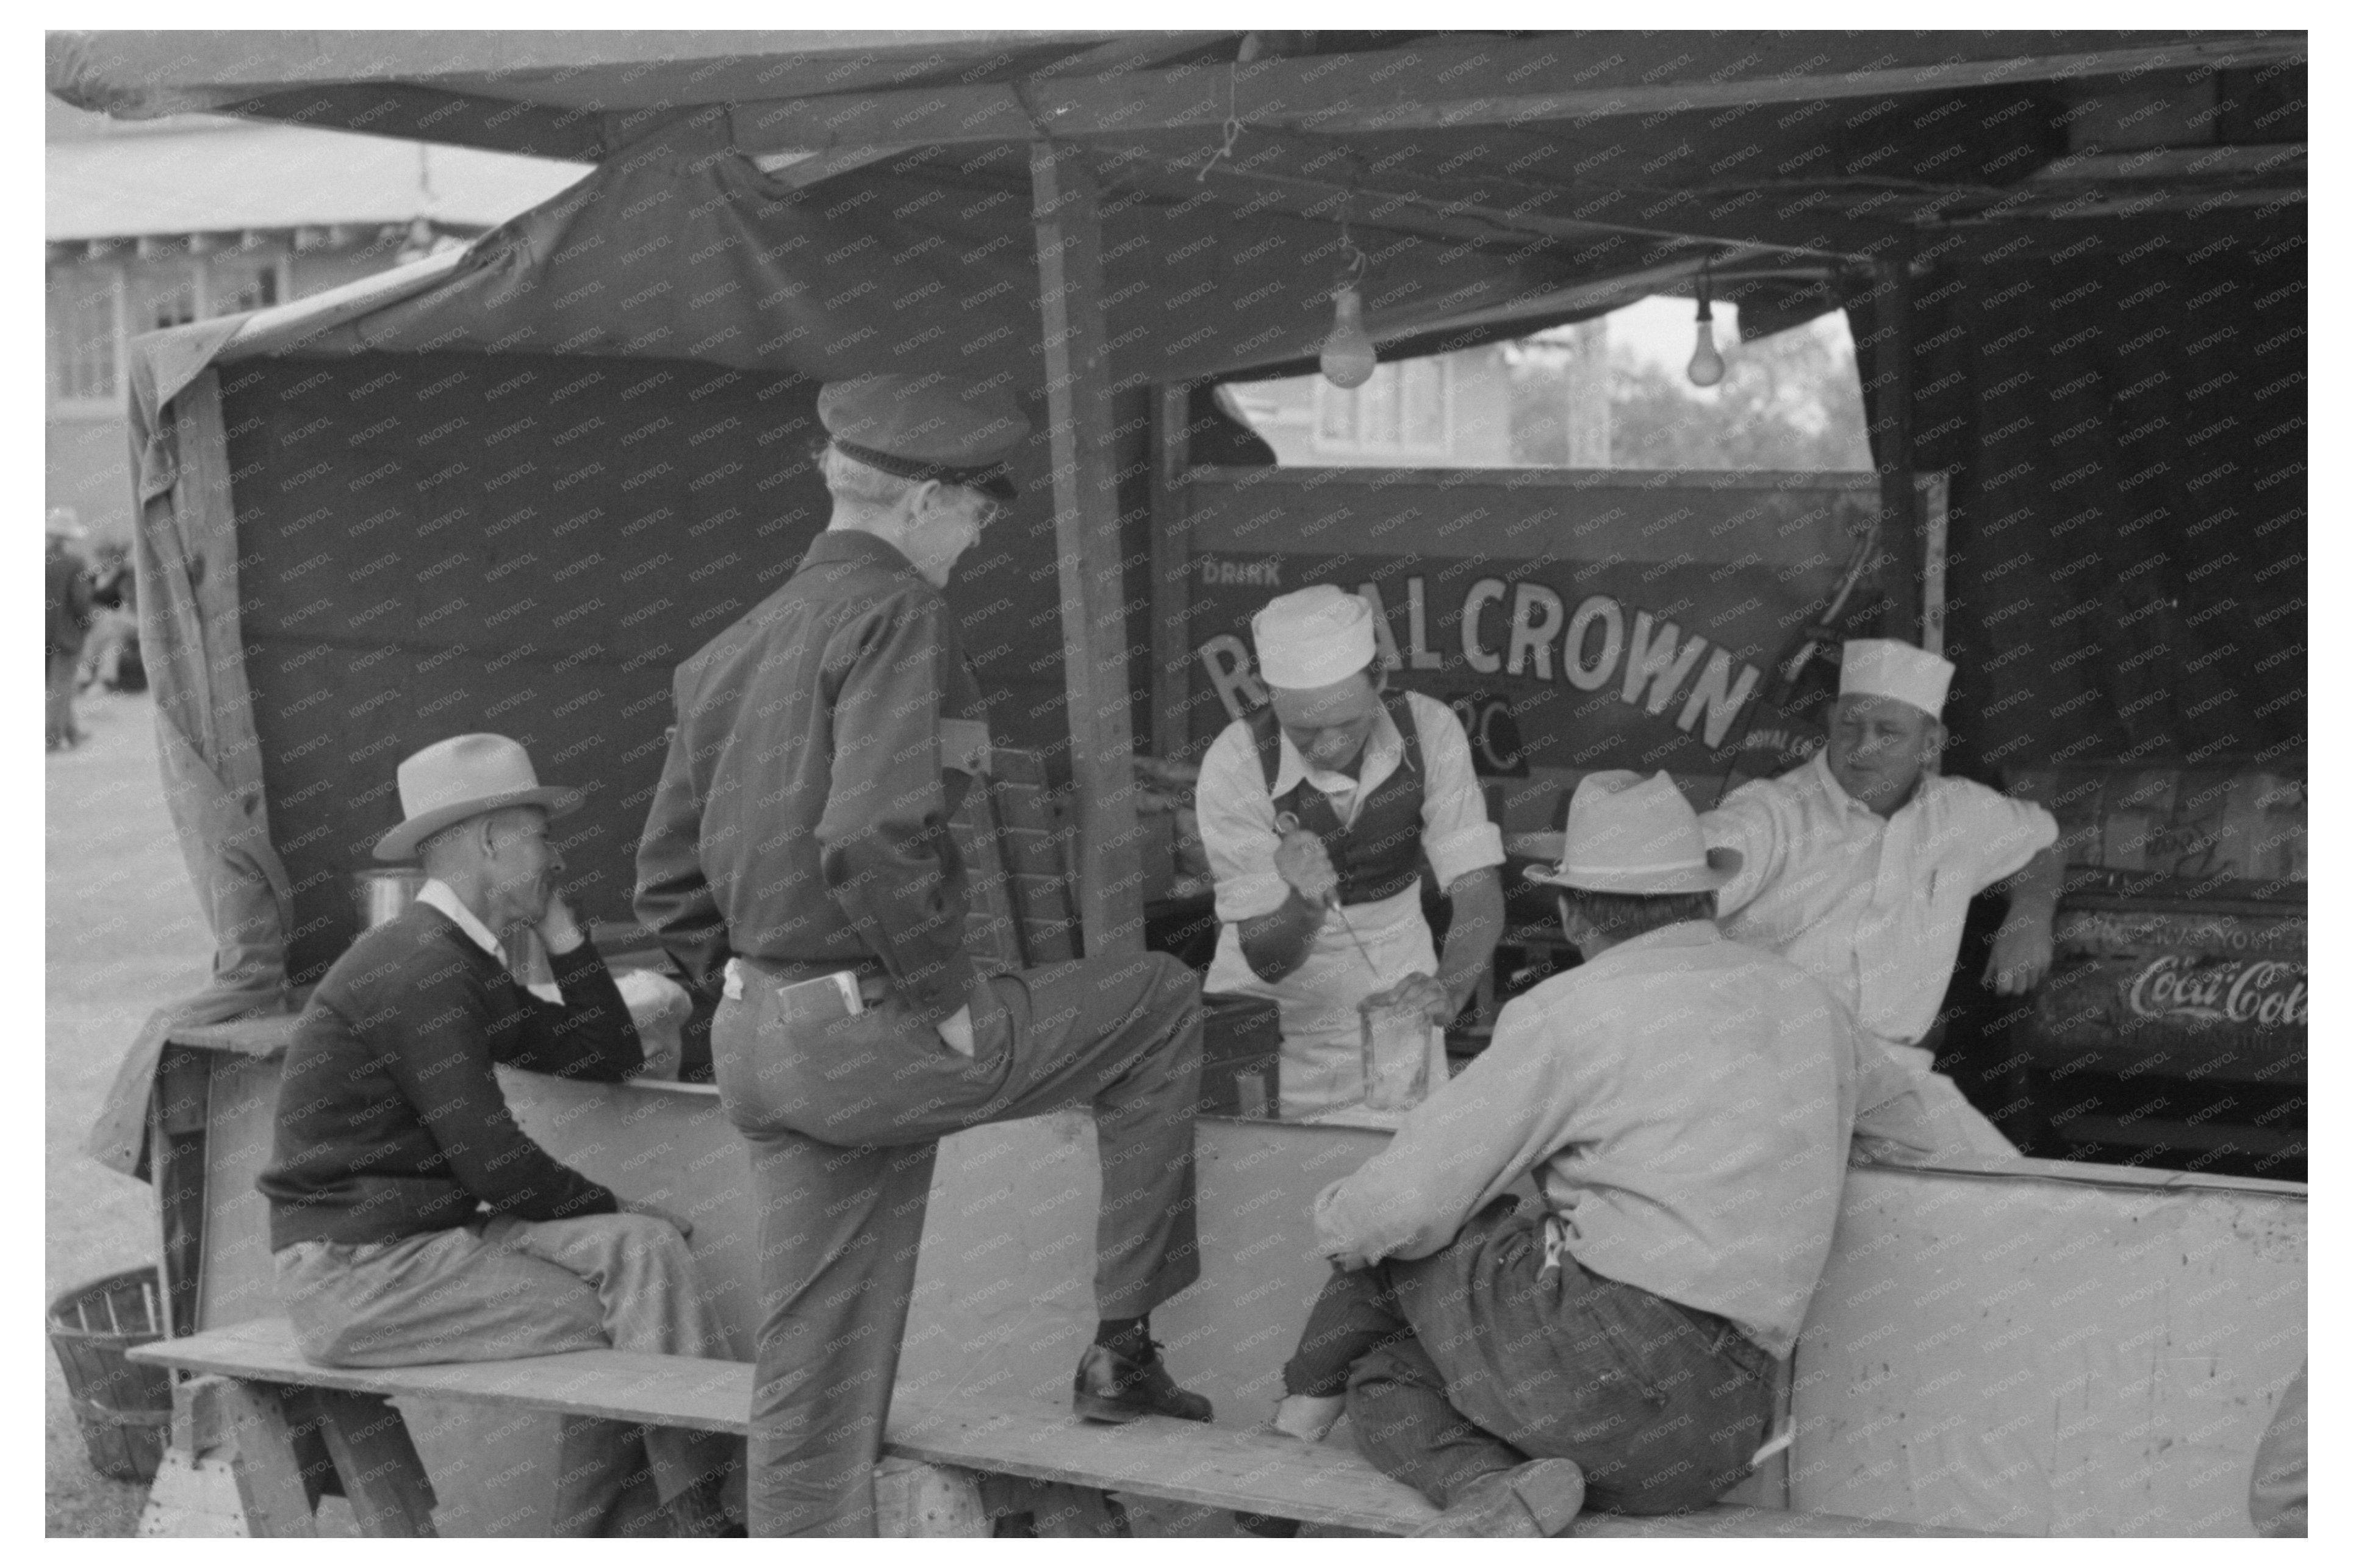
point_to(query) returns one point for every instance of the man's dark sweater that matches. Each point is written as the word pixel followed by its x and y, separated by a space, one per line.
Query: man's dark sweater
pixel 390 1120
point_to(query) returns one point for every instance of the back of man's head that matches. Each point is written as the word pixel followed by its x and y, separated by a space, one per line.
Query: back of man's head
pixel 1621 916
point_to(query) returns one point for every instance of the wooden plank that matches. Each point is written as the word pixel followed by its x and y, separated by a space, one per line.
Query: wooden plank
pixel 1182 1461
pixel 1479 84
pixel 368 1440
pixel 1188 1462
pixel 269 1481
pixel 1086 529
pixel 615 1386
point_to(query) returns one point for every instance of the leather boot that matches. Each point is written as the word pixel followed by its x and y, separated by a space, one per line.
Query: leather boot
pixel 1112 1387
pixel 1537 1499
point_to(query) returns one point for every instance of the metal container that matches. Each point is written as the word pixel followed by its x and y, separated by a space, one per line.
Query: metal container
pixel 385 891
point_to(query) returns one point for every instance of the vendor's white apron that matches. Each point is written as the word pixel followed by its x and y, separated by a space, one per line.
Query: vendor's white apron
pixel 1956 1126
pixel 1322 1040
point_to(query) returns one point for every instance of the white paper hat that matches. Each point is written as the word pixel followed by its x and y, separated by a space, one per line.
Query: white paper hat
pixel 1882 667
pixel 1312 638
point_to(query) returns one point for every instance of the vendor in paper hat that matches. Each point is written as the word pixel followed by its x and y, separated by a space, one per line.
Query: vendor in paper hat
pixel 1859 867
pixel 1319 812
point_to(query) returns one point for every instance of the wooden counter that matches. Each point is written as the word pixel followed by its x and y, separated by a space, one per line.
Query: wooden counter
pixel 2041 1348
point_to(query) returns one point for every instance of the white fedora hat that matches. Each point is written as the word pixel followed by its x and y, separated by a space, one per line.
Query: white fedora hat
pixel 463 777
pixel 1632 834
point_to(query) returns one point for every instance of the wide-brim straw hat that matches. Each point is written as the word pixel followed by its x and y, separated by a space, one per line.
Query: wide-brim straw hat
pixel 1630 835
pixel 464 777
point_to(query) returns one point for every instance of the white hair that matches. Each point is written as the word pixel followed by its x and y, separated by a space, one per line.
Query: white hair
pixel 861 484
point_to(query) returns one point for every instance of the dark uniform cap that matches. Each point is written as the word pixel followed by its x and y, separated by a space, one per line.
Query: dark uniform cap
pixel 924 428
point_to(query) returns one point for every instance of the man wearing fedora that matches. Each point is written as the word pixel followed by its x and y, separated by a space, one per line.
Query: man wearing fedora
pixel 413 1220
pixel 1685 1104
pixel 800 835
pixel 1859 867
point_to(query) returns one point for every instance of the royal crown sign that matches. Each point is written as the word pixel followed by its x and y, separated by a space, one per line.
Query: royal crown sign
pixel 1574 620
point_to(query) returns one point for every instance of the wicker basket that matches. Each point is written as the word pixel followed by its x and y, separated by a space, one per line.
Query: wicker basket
pixel 125 1409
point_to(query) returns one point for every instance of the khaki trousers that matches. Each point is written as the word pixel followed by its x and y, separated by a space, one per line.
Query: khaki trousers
pixel 517 1288
pixel 843 1116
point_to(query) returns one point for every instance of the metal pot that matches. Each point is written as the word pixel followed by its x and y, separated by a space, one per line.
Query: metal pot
pixel 384 893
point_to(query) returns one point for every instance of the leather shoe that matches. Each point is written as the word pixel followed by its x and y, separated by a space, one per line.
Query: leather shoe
pixel 1537 1499
pixel 1112 1387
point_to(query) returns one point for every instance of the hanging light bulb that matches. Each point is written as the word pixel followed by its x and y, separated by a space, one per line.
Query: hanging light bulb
pixel 1706 366
pixel 1348 359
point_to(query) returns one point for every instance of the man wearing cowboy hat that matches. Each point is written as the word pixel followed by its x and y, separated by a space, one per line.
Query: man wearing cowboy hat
pixel 1683 1104
pixel 413 1222
pixel 799 833
pixel 1318 812
pixel 1859 867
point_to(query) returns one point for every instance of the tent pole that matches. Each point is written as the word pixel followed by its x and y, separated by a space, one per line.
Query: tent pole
pixel 1086 536
pixel 1171 529
pixel 1899 506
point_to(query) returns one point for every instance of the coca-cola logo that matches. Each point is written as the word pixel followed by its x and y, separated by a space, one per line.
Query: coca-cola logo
pixel 2265 992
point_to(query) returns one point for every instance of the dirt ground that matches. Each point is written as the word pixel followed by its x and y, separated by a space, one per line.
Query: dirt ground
pixel 124 936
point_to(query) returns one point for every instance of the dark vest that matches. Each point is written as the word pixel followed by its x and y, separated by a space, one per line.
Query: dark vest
pixel 1380 856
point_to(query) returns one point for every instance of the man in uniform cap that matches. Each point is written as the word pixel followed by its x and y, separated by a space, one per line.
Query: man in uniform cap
pixel 800 830
pixel 1859 867
pixel 412 1221
pixel 1684 1105
pixel 1318 812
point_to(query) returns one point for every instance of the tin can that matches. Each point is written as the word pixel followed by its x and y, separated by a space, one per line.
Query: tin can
pixel 383 894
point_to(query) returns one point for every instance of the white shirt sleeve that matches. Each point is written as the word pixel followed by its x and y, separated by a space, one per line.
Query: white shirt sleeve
pixel 2000 834
pixel 1746 822
pixel 1455 832
pixel 1237 818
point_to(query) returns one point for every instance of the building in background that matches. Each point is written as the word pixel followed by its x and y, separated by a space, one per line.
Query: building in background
pixel 156 223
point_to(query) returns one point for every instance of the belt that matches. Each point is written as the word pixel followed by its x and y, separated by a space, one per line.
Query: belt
pixel 873 985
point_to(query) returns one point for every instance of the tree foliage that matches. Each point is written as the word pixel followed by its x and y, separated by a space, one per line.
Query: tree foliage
pixel 1790 401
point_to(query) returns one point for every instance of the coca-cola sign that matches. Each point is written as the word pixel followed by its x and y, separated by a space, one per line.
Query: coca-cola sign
pixel 2183 988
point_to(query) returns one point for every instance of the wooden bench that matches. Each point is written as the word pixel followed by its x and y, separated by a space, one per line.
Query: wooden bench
pixel 952 1466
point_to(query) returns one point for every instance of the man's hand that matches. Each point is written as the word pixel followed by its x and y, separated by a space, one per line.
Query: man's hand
pixel 651 1210
pixel 2021 955
pixel 557 927
pixel 955 1033
pixel 1416 989
pixel 1302 861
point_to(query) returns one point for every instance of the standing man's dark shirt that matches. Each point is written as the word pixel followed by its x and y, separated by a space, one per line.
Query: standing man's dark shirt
pixel 813 771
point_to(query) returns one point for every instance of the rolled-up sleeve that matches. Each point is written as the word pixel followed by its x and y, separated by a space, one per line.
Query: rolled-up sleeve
pixel 1237 818
pixel 1998 833
pixel 1455 832
pixel 1746 823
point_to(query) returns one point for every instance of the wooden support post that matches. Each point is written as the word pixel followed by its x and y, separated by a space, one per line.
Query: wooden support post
pixel 177 1154
pixel 1172 548
pixel 1899 509
pixel 368 1440
pixel 1086 532
pixel 269 1480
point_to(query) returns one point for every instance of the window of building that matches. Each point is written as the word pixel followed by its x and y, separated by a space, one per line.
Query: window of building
pixel 1401 412
pixel 84 345
pixel 162 297
pixel 241 285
